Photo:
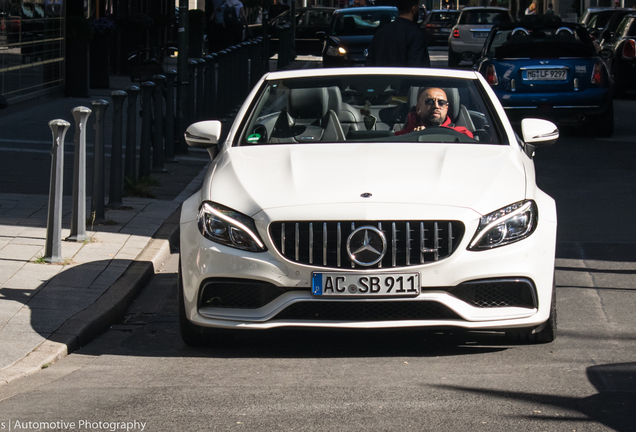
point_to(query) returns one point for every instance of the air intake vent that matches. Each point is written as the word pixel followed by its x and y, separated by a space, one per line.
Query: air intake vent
pixel 407 243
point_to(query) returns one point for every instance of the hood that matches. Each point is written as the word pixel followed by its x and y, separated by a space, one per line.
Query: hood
pixel 481 177
pixel 353 43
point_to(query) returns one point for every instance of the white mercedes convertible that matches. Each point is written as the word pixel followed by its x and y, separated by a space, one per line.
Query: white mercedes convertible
pixel 369 198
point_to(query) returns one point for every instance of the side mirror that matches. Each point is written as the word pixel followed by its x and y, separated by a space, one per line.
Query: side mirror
pixel 321 35
pixel 606 53
pixel 204 134
pixel 539 133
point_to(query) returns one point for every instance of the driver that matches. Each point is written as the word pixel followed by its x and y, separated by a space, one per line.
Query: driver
pixel 431 111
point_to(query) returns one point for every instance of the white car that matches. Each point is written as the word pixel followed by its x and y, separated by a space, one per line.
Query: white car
pixel 315 214
pixel 467 37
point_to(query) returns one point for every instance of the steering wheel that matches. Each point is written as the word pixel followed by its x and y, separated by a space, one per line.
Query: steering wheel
pixel 451 133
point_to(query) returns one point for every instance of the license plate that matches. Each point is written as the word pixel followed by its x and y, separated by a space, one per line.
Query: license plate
pixel 481 35
pixel 445 30
pixel 358 285
pixel 546 74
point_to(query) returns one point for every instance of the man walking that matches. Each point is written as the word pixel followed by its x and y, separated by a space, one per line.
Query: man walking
pixel 402 42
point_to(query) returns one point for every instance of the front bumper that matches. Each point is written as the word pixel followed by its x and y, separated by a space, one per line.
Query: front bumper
pixel 285 299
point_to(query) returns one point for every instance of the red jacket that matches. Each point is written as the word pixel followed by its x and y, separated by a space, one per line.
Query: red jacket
pixel 413 121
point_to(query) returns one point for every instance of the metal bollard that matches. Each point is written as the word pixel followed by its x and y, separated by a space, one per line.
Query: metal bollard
pixel 115 189
pixel 78 215
pixel 233 74
pixel 200 90
pixel 168 155
pixel 245 46
pixel 130 164
pixel 53 248
pixel 97 197
pixel 210 85
pixel 147 89
pixel 157 142
pixel 222 87
pixel 192 106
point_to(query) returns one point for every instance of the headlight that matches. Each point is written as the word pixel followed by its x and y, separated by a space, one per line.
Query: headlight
pixel 228 227
pixel 504 226
pixel 335 51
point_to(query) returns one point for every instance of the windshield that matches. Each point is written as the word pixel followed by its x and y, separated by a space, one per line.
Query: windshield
pixel 484 17
pixel 362 22
pixel 450 17
pixel 541 42
pixel 371 108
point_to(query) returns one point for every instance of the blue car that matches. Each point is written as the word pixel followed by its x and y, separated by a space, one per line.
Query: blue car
pixel 549 70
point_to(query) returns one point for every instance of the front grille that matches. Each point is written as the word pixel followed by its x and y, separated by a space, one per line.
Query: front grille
pixel 324 243
pixel 497 293
pixel 366 311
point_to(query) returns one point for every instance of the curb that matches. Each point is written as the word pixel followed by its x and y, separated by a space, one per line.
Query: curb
pixel 89 323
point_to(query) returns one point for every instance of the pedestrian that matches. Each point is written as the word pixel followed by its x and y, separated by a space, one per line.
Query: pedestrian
pixel 402 42
pixel 359 3
pixel 276 8
pixel 532 9
pixel 550 11
pixel 214 27
pixel 235 21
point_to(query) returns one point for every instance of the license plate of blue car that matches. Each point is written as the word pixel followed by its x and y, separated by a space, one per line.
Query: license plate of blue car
pixel 365 285
pixel 545 74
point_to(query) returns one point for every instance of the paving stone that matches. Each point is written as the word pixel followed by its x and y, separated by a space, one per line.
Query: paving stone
pixel 33 275
pixel 19 252
pixel 78 275
pixel 41 321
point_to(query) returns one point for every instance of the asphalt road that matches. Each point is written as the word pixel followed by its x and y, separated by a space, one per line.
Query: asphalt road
pixel 388 381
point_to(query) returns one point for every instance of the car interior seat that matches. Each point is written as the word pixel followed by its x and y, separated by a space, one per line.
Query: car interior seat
pixel 308 118
pixel 457 112
pixel 350 118
pixel 348 25
pixel 384 20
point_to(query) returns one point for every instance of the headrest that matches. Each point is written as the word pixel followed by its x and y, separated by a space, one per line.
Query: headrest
pixel 452 96
pixel 307 103
pixel 335 99
pixel 349 23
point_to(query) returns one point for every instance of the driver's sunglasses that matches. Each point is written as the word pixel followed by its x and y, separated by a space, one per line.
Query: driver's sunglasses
pixel 431 102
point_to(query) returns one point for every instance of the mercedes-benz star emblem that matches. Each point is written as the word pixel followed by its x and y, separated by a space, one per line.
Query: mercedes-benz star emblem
pixel 366 246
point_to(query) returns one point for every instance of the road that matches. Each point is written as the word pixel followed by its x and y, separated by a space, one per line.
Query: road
pixel 140 371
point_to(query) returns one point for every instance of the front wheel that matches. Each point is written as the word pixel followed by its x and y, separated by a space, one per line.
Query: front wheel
pixel 545 333
pixel 192 334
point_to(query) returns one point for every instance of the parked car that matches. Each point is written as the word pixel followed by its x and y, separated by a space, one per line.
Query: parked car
pixel 309 21
pixel 589 19
pixel 350 33
pixel 623 57
pixel 438 24
pixel 551 71
pixel 467 37
pixel 315 214
pixel 606 34
pixel 10 28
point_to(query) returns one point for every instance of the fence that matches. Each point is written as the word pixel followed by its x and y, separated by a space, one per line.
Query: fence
pixel 217 85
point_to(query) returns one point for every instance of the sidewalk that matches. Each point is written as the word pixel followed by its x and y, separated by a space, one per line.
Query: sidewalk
pixel 49 310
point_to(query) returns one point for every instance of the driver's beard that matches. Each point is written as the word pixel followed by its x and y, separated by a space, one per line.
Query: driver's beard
pixel 435 121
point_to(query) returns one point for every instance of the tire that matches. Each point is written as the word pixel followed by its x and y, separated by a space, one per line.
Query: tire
pixel 545 333
pixel 194 335
pixel 603 124
pixel 453 58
